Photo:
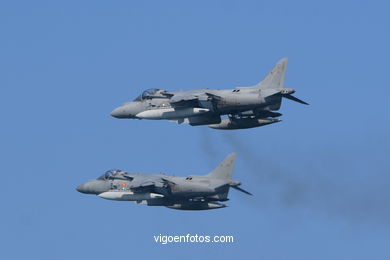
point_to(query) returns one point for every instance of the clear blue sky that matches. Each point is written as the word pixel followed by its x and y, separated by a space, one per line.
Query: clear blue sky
pixel 320 178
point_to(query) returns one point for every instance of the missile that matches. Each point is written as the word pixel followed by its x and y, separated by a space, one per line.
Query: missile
pixel 171 113
pixel 243 123
pixel 198 206
pixel 128 195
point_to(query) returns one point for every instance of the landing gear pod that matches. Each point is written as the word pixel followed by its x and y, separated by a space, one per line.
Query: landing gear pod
pixel 197 206
pixel 243 123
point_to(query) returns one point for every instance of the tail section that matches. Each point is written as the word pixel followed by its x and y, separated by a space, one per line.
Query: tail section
pixel 224 169
pixel 273 86
pixel 274 79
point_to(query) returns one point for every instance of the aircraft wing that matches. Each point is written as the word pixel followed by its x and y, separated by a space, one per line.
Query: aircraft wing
pixel 143 183
pixel 185 99
pixel 193 98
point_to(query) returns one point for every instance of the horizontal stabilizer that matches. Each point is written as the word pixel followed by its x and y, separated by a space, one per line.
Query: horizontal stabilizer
pixel 291 97
pixel 241 189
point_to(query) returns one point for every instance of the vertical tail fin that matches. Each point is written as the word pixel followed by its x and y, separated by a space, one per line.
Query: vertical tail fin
pixel 225 169
pixel 274 79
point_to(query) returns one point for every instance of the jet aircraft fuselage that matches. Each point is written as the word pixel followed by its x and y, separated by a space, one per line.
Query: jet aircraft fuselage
pixel 188 193
pixel 246 107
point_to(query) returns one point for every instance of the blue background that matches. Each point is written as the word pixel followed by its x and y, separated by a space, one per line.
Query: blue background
pixel 320 178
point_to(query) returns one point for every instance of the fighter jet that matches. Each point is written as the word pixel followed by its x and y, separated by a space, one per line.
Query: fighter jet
pixel 245 107
pixel 183 193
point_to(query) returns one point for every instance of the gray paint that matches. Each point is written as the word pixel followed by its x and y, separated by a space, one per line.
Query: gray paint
pixel 246 107
pixel 193 192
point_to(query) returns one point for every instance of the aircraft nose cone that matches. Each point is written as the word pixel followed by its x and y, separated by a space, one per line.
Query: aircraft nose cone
pixel 118 112
pixel 81 188
pixel 128 110
pixel 94 187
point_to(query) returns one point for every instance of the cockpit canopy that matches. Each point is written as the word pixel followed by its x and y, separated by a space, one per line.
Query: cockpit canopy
pixel 147 93
pixel 108 174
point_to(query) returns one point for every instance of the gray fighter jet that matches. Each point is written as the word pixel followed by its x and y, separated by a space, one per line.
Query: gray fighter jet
pixel 246 107
pixel 184 193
